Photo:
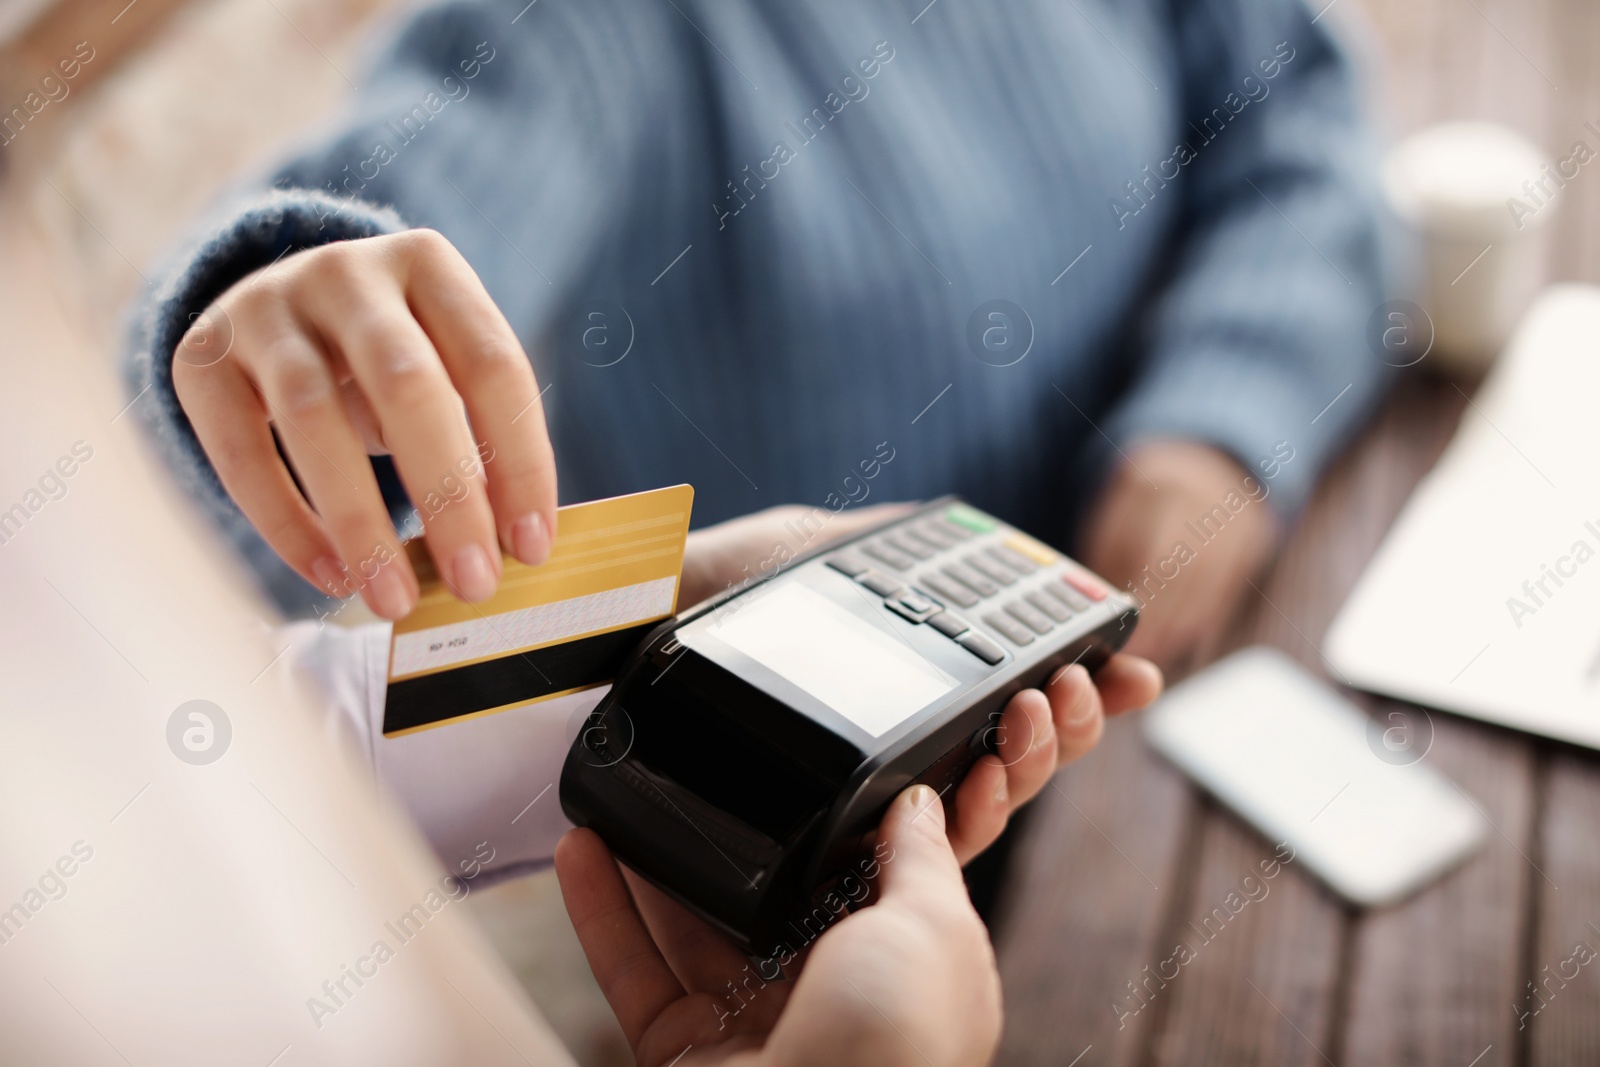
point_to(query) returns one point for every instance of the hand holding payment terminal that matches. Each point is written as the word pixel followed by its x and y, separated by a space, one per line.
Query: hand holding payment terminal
pixel 748 749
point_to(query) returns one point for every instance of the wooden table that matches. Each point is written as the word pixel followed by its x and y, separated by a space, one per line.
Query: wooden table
pixel 1115 862
pixel 1122 855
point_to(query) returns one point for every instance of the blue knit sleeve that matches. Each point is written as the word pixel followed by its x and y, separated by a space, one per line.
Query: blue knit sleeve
pixel 1256 341
pixel 445 132
pixel 262 233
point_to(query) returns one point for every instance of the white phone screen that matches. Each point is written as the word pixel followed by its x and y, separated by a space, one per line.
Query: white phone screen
pixel 1307 767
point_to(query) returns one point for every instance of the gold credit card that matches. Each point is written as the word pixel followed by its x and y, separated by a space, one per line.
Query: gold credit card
pixel 549 630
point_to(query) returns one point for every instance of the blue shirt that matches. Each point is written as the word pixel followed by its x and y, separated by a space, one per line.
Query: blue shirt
pixel 757 246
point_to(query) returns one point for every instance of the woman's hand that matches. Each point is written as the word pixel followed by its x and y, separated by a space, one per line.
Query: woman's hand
pixel 909 980
pixel 383 345
pixel 1163 528
pixel 1039 731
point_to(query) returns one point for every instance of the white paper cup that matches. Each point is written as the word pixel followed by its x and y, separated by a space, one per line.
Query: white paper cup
pixel 1478 199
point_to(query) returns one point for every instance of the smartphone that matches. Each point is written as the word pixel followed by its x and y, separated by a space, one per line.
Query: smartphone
pixel 1356 801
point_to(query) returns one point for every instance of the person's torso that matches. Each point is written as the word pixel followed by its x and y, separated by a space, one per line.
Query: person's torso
pixel 875 230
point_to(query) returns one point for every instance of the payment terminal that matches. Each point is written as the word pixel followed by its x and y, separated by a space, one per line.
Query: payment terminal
pixel 748 749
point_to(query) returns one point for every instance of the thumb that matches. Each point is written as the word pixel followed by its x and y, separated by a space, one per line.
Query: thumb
pixel 919 866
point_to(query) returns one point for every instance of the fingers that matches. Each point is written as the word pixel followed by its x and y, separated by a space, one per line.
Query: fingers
pixel 634 977
pixel 912 974
pixel 341 365
pixel 1039 732
pixel 703 960
pixel 416 404
pixel 1127 683
pixel 1076 710
pixel 920 869
pixel 230 421
pixel 1027 746
pixel 1078 704
pixel 297 393
pixel 982 807
pixel 492 373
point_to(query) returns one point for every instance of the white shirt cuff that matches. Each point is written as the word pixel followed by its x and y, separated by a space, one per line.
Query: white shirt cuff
pixel 484 791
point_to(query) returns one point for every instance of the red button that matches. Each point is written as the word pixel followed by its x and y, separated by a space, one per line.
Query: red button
pixel 1086 584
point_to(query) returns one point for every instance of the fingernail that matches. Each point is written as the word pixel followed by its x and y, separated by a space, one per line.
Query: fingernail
pixel 471 575
pixel 1001 790
pixel 1062 673
pixel 923 801
pixel 388 594
pixel 330 572
pixel 530 539
pixel 1085 715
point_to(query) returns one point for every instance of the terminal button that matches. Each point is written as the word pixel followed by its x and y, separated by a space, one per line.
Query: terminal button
pixel 950 624
pixel 982 647
pixel 909 545
pixel 847 565
pixel 970 518
pixel 954 592
pixel 1086 584
pixel 1014 559
pixel 912 606
pixel 881 583
pixel 1010 628
pixel 936 534
pixel 971 579
pixel 1068 596
pixel 887 553
pixel 1041 555
pixel 990 568
pixel 1029 616
pixel 1050 606
pixel 952 530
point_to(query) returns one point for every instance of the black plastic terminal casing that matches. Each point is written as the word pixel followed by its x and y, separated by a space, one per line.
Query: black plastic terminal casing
pixel 749 809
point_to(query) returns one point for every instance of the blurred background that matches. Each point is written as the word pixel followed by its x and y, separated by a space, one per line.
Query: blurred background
pixel 176 98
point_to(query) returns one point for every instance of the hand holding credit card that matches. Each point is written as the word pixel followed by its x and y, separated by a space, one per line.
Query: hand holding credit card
pixel 558 628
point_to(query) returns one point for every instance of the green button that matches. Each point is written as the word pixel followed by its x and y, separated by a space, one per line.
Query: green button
pixel 971 519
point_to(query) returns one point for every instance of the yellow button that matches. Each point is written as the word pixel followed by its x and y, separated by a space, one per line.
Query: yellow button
pixel 1032 549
